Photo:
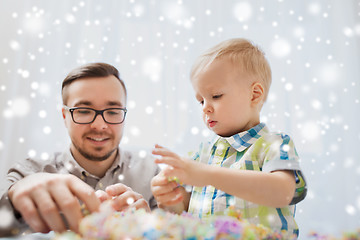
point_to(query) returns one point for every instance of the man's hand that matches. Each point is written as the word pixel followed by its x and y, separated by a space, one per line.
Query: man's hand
pixel 41 197
pixel 123 197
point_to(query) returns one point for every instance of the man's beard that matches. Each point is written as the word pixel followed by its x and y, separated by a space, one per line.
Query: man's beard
pixel 95 158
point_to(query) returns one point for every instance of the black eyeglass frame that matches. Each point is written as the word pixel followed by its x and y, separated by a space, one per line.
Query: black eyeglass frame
pixel 97 112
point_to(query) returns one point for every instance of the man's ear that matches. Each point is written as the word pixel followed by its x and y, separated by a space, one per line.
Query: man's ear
pixel 63 112
pixel 63 115
pixel 257 91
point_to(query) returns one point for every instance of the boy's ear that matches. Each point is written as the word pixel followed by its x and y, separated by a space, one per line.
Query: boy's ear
pixel 257 91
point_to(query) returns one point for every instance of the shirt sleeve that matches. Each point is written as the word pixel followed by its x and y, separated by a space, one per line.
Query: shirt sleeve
pixel 15 224
pixel 280 154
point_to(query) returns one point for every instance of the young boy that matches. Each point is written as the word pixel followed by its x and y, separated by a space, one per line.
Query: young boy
pixel 245 166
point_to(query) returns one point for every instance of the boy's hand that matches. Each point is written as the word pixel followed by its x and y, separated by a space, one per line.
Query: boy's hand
pixel 166 193
pixel 187 171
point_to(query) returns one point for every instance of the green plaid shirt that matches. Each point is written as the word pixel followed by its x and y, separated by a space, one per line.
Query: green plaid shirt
pixel 258 150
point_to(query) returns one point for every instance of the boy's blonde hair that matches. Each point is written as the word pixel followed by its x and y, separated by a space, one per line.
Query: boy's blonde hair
pixel 243 53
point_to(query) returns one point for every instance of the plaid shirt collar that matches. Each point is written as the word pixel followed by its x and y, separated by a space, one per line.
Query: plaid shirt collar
pixel 243 140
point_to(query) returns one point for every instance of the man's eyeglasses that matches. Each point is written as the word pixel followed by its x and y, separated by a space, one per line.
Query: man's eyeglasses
pixel 84 115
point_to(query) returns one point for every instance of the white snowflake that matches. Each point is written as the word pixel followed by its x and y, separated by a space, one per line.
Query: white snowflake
pixel 280 48
pixel 242 11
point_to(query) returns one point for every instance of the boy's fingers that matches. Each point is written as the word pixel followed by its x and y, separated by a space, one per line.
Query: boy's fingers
pixel 170 161
pixel 164 152
pixel 159 180
pixel 168 197
pixel 178 199
pixel 158 146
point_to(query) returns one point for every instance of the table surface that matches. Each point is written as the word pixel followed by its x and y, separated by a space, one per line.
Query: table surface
pixel 33 236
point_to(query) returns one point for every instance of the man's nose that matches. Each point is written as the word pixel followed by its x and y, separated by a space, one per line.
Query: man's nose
pixel 99 122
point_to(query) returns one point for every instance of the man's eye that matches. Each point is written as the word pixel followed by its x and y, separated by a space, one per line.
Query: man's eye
pixel 217 96
pixel 113 112
pixel 83 112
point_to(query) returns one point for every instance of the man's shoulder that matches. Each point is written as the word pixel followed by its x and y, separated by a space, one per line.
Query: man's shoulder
pixel 39 163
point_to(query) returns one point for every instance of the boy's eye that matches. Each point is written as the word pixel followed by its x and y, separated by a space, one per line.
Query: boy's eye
pixel 201 102
pixel 217 96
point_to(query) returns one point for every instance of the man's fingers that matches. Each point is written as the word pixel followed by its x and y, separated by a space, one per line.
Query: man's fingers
pixel 126 199
pixel 29 212
pixel 102 196
pixel 84 192
pixel 41 197
pixel 141 203
pixel 117 189
pixel 48 210
pixel 68 204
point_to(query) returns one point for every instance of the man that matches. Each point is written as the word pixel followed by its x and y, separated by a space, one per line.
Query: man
pixel 47 195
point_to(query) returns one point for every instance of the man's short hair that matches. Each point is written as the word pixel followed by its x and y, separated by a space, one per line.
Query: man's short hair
pixel 90 70
pixel 248 57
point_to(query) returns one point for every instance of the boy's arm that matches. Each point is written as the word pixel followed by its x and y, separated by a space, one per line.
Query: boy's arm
pixel 275 189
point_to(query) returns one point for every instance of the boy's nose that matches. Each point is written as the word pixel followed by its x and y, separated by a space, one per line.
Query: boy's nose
pixel 99 123
pixel 207 107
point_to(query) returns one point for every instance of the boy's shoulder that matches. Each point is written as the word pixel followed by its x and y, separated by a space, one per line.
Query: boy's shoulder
pixel 275 138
